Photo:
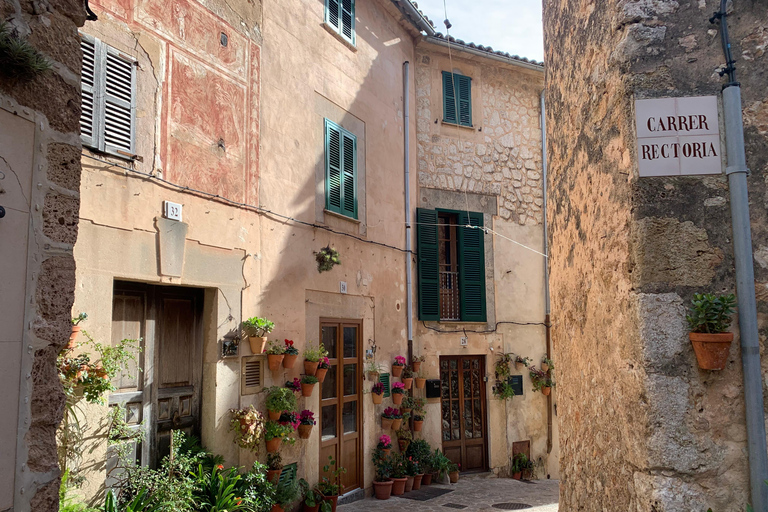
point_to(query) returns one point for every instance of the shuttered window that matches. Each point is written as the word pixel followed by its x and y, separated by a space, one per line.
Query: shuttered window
pixel 457 99
pixel 108 119
pixel 340 15
pixel 340 170
pixel 471 266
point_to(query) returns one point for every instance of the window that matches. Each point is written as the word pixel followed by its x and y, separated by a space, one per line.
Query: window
pixel 340 170
pixel 340 15
pixel 451 265
pixel 108 120
pixel 457 99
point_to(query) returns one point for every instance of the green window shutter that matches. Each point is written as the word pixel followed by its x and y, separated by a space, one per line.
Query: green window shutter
pixel 428 264
pixel 449 98
pixel 288 474
pixel 340 170
pixel 332 17
pixel 464 92
pixel 471 248
pixel 384 379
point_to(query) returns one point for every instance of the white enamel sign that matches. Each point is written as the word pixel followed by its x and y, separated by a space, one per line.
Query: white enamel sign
pixel 678 136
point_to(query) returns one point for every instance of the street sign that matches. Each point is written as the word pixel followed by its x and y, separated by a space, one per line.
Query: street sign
pixel 678 136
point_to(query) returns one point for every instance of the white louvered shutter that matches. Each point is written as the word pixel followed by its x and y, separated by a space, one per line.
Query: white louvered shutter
pixel 88 127
pixel 119 103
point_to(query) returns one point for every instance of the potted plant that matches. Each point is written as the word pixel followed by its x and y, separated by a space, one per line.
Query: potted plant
pixel 310 498
pixel 503 390
pixel 542 381
pixel 274 467
pixel 286 493
pixel 429 470
pixel 377 393
pixel 275 354
pixel 279 400
pixel 382 482
pixel 307 385
pixel 322 369
pixel 547 364
pixel 397 366
pixel 387 417
pixel 420 452
pixel 522 362
pixel 411 470
pixel 398 391
pixel 312 357
pixel 248 425
pixel 372 370
pixel 406 377
pixel 416 362
pixel 289 419
pixel 330 484
pixel 397 419
pixel 501 369
pixel 306 422
pixel 709 318
pixel 294 385
pixel 291 354
pixel 256 330
pixel 76 329
pixel 520 463
pixel 407 405
pixel 418 421
pixel 420 382
pixel 385 444
pixel 398 474
pixel 274 433
pixel 441 465
pixel 453 472
pixel 404 438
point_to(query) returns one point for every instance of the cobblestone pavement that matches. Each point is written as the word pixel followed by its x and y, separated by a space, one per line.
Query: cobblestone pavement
pixel 476 493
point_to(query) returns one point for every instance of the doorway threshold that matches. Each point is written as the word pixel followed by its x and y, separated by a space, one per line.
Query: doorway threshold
pixel 352 496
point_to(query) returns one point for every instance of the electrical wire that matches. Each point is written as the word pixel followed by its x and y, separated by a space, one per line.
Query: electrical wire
pixel 484 331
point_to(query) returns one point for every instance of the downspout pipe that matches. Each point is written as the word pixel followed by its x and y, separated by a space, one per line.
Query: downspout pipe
pixel 407 167
pixel 546 263
pixel 745 275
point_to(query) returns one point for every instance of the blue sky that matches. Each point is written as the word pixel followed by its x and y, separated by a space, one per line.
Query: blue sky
pixel 512 26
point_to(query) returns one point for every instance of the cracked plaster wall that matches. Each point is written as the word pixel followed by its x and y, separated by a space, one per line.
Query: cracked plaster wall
pixel 642 428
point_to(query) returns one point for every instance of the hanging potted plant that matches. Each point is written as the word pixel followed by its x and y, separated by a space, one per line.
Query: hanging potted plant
pixel 522 362
pixel 398 472
pixel 503 390
pixel 709 318
pixel 322 369
pixel 387 417
pixel 377 393
pixel 76 329
pixel 312 357
pixel 382 482
pixel 256 330
pixel 293 385
pixel 307 385
pixel 274 433
pixel 397 366
pixel 398 391
pixel 306 422
pixel 406 377
pixel 397 419
pixel 274 467
pixel 420 382
pixel 542 381
pixel 385 444
pixel 404 438
pixel 289 419
pixel 416 362
pixel 330 484
pixel 547 365
pixel 275 354
pixel 418 421
pixel 407 406
pixel 372 370
pixel 279 400
pixel 501 369
pixel 248 426
pixel 291 354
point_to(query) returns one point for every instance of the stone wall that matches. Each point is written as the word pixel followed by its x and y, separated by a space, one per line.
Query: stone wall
pixel 642 428
pixel 40 190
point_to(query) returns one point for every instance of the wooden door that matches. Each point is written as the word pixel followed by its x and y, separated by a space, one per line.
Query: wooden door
pixel 341 402
pixel 463 408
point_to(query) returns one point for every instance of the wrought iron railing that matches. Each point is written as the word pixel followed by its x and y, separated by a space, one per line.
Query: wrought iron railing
pixel 449 296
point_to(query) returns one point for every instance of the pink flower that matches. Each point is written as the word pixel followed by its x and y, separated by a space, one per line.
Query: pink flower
pixel 399 361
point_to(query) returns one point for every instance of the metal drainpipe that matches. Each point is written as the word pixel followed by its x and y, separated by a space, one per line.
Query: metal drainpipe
pixel 745 277
pixel 546 262
pixel 407 166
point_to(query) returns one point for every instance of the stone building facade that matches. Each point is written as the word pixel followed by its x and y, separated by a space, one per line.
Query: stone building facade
pixel 642 427
pixel 39 193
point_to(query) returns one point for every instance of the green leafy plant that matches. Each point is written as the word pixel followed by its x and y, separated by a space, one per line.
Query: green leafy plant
pixel 407 373
pixel 248 425
pixel 326 258
pixel 541 379
pixel 274 461
pixel 548 361
pixel 280 399
pixel 420 451
pixel 440 463
pixel 503 390
pixel 309 379
pixel 218 490
pixel 275 348
pixel 711 313
pixel 314 354
pixel 501 369
pixel 398 466
pixel 19 59
pixel 310 497
pixel 256 490
pixel 274 430
pixel 520 463
pixel 256 326
pixel 373 367
pixel 525 361
pixel 79 318
pixel 330 483
pixel 382 464
pixel 404 434
pixel 142 502
pixel 287 492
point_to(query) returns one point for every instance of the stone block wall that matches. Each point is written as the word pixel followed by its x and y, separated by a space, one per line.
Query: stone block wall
pixel 642 428
pixel 47 108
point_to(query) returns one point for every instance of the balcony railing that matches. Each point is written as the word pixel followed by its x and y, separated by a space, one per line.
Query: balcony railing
pixel 449 296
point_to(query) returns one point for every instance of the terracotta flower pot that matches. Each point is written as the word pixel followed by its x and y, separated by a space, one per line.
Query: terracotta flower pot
pixel 386 451
pixel 418 425
pixel 73 336
pixel 272 474
pixel 257 343
pixel 304 431
pixel 409 484
pixel 546 390
pixel 397 423
pixel 273 444
pixel 408 382
pixel 306 389
pixel 427 480
pixel 274 361
pixel 416 365
pixel 289 360
pixel 421 383
pixel 277 508
pixel 398 486
pixel 307 508
pixel 310 367
pixel 405 410
pixel 386 423
pixel 383 490
pixel 417 479
pixel 373 376
pixel 274 415
pixel 403 443
pixel 397 398
pixel 711 349
pixel 544 367
pixel 454 476
pixel 333 500
pixel 377 398
pixel 100 372
pixel 517 475
pixel 519 366
pixel 320 374
pixel 397 370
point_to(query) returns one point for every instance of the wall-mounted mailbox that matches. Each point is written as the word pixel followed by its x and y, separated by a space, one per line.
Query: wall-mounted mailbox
pixel 433 388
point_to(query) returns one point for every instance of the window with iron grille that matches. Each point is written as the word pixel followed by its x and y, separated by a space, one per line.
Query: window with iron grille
pixel 108 118
pixel 457 99
pixel 340 15
pixel 340 170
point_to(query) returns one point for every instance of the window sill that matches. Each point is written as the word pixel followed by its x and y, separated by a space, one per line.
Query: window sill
pixel 117 154
pixel 338 36
pixel 470 128
pixel 340 216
